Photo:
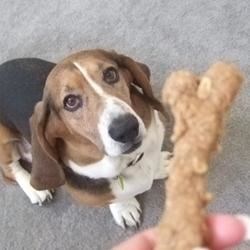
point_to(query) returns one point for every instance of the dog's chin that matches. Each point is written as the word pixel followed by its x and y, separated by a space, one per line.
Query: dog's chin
pixel 116 149
pixel 125 149
pixel 132 148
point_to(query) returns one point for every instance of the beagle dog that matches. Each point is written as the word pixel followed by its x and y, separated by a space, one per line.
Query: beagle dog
pixel 90 123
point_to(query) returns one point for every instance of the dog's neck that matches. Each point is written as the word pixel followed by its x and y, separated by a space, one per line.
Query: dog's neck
pixel 87 153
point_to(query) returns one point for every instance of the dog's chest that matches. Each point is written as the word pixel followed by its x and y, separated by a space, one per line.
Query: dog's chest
pixel 151 149
pixel 136 170
pixel 152 144
pixel 110 167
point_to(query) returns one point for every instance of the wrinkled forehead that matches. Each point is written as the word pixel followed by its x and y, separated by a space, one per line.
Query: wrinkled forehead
pixel 92 61
pixel 82 67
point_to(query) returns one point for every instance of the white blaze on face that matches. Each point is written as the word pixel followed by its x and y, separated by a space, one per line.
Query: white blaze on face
pixel 114 107
pixel 97 88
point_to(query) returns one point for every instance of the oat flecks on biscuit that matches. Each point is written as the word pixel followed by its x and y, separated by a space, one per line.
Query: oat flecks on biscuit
pixel 199 105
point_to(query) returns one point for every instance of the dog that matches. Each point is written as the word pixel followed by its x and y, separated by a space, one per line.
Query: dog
pixel 90 123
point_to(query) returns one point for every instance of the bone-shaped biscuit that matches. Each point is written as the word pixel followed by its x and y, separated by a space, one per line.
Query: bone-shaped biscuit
pixel 199 106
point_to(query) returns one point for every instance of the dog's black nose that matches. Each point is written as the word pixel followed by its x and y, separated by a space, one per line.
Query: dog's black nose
pixel 124 128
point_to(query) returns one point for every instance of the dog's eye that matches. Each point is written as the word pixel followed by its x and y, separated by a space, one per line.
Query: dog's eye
pixel 110 75
pixel 72 102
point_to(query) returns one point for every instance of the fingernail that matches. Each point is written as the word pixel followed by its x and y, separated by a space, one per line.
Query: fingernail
pixel 245 220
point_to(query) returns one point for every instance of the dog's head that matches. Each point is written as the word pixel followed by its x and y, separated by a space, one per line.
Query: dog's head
pixel 90 94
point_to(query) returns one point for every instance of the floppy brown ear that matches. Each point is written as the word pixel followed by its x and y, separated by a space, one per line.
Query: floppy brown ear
pixel 47 172
pixel 145 69
pixel 141 77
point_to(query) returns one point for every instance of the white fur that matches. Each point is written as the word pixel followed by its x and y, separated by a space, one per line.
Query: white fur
pixel 164 166
pixel 96 87
pixel 108 167
pixel 126 213
pixel 22 177
pixel 139 178
pixel 114 108
pixel 25 150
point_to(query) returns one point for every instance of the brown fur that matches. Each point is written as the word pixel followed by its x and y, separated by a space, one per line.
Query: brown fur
pixel 8 150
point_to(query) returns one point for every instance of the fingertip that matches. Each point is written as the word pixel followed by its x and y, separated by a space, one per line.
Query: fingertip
pixel 226 230
pixel 245 220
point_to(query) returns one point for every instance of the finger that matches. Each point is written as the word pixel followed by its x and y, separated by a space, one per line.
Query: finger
pixel 227 231
pixel 141 241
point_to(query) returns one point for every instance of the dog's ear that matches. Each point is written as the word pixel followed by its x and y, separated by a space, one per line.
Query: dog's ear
pixel 145 69
pixel 141 78
pixel 47 171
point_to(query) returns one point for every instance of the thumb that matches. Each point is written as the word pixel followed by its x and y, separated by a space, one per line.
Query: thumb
pixel 227 231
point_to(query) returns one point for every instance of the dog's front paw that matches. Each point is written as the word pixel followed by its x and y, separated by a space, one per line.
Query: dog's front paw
pixel 127 213
pixel 39 197
pixel 162 171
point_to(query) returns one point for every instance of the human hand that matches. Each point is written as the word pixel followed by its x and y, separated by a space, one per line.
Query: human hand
pixel 226 231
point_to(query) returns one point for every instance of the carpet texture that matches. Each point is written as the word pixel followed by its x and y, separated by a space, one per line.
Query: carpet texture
pixel 166 35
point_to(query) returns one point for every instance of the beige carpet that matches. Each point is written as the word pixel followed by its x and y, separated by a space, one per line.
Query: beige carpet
pixel 167 35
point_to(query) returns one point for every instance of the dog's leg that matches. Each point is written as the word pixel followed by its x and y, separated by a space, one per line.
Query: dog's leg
pixel 159 159
pixel 126 213
pixel 133 181
pixel 12 169
pixel 22 177
pixel 162 171
pixel 25 150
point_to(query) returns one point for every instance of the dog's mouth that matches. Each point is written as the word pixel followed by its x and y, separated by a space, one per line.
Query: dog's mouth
pixel 133 147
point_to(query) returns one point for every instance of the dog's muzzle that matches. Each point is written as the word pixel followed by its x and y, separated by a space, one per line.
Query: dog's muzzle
pixel 125 129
